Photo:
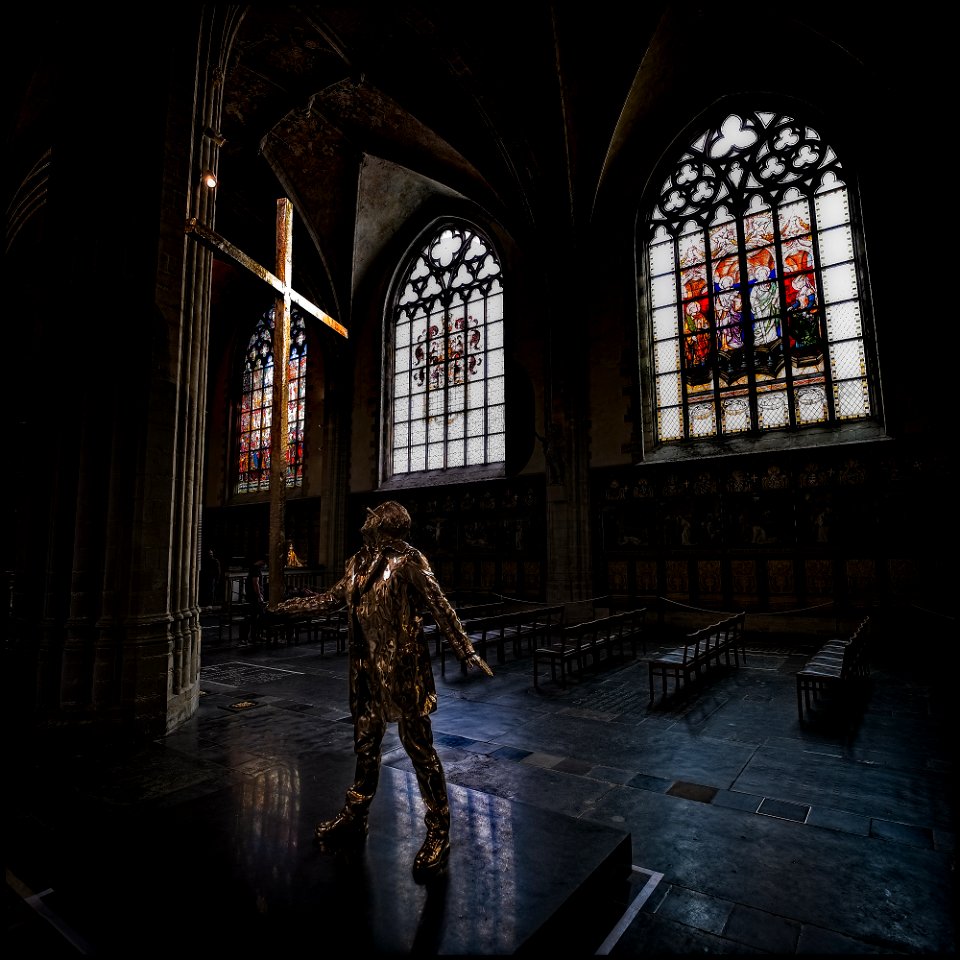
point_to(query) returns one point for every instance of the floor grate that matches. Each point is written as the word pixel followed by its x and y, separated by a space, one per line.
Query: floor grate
pixel 692 791
pixel 242 705
pixel 237 673
pixel 784 810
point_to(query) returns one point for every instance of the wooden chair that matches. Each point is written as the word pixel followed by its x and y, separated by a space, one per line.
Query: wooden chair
pixel 465 612
pixel 593 639
pixel 484 632
pixel 612 636
pixel 487 632
pixel 682 664
pixel 547 623
pixel 234 610
pixel 634 627
pixel 330 627
pixel 712 644
pixel 563 650
pixel 531 627
pixel 275 632
pixel 514 625
pixel 734 641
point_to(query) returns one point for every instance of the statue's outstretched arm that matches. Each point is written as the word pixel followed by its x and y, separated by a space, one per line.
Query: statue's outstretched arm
pixel 445 616
pixel 303 608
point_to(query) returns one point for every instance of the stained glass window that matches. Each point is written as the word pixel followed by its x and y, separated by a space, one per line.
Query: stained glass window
pixel 256 404
pixel 754 288
pixel 447 357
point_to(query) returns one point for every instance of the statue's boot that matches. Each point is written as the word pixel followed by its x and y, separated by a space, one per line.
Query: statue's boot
pixel 345 828
pixel 349 826
pixel 433 855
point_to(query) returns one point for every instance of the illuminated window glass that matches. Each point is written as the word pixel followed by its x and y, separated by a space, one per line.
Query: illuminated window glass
pixel 446 360
pixel 256 405
pixel 753 286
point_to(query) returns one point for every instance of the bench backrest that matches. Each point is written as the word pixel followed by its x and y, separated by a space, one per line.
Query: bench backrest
pixel 703 641
pixel 735 626
pixel 575 630
pixel 721 634
pixel 486 626
pixel 552 613
pixel 693 648
pixel 541 622
pixel 598 628
pixel 857 647
pixel 469 610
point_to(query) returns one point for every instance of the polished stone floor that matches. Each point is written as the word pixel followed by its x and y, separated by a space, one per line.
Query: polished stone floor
pixel 586 821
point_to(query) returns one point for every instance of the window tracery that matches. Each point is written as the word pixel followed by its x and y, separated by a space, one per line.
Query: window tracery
pixel 446 358
pixel 754 285
pixel 256 405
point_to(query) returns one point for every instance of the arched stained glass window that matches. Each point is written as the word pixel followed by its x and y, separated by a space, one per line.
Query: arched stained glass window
pixel 256 404
pixel 754 287
pixel 447 359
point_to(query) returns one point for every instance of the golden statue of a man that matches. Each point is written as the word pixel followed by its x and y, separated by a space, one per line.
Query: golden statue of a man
pixel 386 586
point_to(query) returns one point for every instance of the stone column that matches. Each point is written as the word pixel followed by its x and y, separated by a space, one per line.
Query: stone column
pixel 565 442
pixel 117 626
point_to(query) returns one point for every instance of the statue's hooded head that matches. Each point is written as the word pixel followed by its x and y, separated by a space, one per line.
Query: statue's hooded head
pixel 389 521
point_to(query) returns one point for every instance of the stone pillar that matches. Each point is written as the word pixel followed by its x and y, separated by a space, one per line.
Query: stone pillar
pixel 565 443
pixel 125 320
pixel 186 295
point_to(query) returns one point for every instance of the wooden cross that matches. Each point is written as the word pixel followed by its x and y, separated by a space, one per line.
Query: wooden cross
pixel 279 441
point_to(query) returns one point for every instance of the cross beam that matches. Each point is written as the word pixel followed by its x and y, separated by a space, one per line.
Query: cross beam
pixel 279 440
pixel 214 240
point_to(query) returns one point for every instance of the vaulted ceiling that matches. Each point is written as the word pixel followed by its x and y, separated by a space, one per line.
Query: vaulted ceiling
pixel 513 105
pixel 548 116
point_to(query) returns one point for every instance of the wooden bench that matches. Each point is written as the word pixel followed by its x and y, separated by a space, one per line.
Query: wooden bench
pixel 717 644
pixel 608 604
pixel 563 651
pixel 724 642
pixel 589 644
pixel 530 626
pixel 681 664
pixel 603 641
pixel 611 636
pixel 840 669
pixel 484 633
pixel 633 625
pixel 327 628
pixel 234 610
pixel 522 628
pixel 322 628
pixel 465 612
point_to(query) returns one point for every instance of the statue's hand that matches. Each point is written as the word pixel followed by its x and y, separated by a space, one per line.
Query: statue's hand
pixel 295 608
pixel 475 660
